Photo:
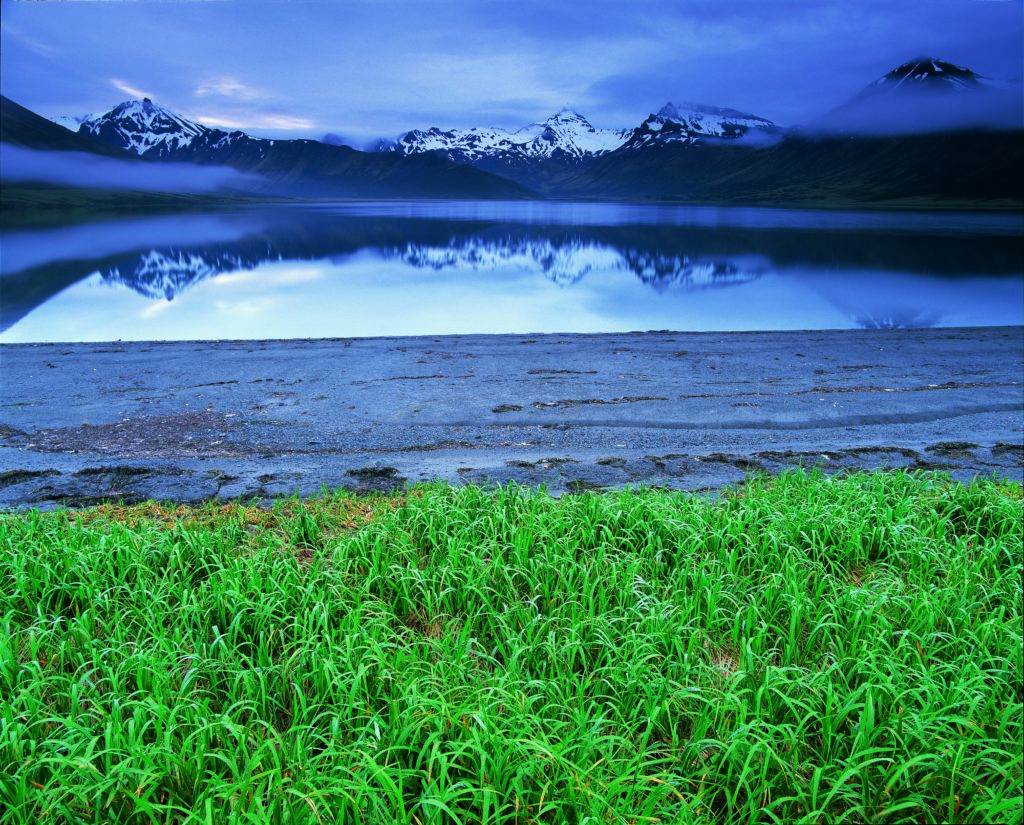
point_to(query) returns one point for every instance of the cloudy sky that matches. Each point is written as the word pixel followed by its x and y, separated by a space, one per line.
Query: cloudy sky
pixel 377 68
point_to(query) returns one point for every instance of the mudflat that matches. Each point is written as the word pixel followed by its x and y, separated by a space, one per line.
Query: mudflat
pixel 80 423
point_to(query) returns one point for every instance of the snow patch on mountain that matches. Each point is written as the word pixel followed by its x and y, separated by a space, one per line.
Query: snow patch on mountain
pixel 71 122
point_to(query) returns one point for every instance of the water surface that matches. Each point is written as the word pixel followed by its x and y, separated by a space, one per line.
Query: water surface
pixel 432 268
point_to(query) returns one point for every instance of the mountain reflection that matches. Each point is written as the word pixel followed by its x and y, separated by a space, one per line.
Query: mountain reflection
pixel 165 273
pixel 906 319
pixel 872 277
pixel 562 255
pixel 568 262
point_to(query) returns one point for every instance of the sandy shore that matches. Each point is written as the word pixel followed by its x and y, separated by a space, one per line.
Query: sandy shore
pixel 198 420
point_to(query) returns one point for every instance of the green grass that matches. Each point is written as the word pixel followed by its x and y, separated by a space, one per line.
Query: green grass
pixel 803 649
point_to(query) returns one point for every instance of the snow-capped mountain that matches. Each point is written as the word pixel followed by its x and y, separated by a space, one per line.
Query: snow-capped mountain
pixel 694 122
pixel 568 132
pixel 926 73
pixel 144 127
pixel 152 131
pixel 927 94
pixel 293 166
pixel 463 145
pixel 566 135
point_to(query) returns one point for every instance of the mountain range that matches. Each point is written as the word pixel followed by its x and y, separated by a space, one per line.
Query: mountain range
pixel 895 142
pixel 566 135
pixel 141 131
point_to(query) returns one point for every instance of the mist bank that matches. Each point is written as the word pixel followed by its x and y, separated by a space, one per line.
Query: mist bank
pixel 925 111
pixel 84 170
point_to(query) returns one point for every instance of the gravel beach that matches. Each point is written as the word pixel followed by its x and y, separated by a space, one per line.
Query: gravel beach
pixel 191 421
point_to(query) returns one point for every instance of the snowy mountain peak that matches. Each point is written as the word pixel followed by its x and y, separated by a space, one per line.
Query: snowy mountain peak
pixel 142 112
pixel 566 134
pixel 927 94
pixel 710 120
pixel 669 112
pixel 143 127
pixel 570 132
pixel 566 115
pixel 930 72
pixel 693 122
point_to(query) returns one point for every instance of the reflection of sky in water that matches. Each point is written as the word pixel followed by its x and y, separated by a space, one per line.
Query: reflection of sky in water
pixel 369 279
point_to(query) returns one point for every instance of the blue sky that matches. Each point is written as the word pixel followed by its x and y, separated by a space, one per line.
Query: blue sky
pixel 377 68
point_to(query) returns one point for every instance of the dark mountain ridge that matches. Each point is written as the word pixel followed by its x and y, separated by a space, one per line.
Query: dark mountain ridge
pixel 966 167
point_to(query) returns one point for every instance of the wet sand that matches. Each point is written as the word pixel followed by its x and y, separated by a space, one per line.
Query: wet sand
pixel 80 423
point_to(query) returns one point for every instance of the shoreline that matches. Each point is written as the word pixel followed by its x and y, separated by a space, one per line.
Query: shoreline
pixel 26 206
pixel 215 343
pixel 190 421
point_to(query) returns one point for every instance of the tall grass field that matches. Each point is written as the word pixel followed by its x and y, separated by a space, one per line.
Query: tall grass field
pixel 802 649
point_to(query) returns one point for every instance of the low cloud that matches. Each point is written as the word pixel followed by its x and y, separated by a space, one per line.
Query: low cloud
pixel 255 120
pixel 31 43
pixel 755 138
pixel 84 170
pixel 127 88
pixel 227 86
pixel 927 111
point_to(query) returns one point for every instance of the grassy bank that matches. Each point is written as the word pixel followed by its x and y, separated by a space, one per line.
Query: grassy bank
pixel 31 207
pixel 802 650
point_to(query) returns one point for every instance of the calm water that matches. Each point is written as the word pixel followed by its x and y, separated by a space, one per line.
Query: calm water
pixel 385 268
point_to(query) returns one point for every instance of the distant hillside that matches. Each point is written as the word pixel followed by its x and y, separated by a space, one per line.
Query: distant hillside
pixel 970 167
